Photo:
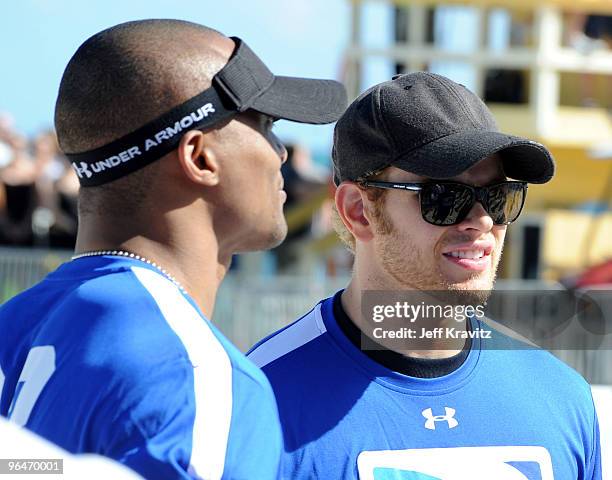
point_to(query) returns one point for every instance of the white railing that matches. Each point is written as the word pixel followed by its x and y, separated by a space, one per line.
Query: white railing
pixel 250 307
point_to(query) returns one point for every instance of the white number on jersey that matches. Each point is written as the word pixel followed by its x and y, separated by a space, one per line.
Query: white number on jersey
pixel 38 368
pixel 1 382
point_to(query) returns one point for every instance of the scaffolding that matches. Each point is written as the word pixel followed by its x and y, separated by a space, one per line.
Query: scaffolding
pixel 543 62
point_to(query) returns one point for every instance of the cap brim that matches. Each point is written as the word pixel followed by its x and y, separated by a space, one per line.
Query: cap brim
pixel 453 154
pixel 303 100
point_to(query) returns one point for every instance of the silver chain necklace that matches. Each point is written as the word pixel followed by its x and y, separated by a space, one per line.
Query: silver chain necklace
pixel 123 253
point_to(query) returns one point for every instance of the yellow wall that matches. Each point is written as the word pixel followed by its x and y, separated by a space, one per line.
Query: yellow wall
pixel 578 179
pixel 576 86
pixel 573 240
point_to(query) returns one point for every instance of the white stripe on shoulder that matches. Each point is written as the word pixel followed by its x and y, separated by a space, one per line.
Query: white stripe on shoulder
pixel 300 333
pixel 212 373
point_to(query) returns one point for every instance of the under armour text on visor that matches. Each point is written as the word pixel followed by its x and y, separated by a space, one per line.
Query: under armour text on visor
pixel 243 83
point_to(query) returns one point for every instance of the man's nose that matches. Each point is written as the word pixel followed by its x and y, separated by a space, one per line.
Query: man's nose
pixel 478 219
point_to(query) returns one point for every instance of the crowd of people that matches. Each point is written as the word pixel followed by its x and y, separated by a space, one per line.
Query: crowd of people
pixel 38 190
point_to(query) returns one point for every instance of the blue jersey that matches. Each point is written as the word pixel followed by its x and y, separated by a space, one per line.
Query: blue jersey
pixel 106 355
pixel 503 414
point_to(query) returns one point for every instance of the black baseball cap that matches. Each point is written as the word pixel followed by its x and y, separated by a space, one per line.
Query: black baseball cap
pixel 244 83
pixel 431 126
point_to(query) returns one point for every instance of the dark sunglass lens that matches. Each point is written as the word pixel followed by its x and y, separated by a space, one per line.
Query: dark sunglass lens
pixel 505 202
pixel 445 203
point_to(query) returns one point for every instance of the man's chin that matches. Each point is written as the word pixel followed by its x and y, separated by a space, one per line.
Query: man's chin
pixel 472 290
pixel 277 238
pixel 272 238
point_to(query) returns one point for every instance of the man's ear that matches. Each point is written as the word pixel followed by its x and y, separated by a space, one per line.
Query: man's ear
pixel 351 208
pixel 196 154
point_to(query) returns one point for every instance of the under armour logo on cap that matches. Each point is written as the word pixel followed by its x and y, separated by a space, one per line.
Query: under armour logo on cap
pixel 430 423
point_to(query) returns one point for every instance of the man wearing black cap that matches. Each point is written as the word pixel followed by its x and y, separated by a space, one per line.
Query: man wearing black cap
pixel 168 126
pixel 373 388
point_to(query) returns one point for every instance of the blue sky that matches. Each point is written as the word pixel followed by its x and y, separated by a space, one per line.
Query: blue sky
pixel 294 37
pixel 38 37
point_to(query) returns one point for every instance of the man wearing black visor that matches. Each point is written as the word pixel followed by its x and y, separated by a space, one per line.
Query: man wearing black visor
pixel 400 375
pixel 168 126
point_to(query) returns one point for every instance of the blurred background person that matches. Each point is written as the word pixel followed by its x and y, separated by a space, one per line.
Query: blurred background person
pixel 18 183
pixel 55 217
pixel 38 191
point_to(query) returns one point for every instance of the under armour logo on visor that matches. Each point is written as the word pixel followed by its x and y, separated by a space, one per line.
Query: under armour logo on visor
pixel 430 423
pixel 82 170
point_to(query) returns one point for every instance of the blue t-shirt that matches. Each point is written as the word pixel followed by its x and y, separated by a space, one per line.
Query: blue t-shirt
pixel 106 355
pixel 503 414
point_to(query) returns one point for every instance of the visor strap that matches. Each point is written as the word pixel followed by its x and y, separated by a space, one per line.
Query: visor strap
pixel 150 142
pixel 234 89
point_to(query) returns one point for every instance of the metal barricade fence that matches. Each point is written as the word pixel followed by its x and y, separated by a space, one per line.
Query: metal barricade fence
pixel 249 308
pixel 20 268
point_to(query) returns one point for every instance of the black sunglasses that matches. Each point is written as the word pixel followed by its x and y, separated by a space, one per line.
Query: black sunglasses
pixel 449 203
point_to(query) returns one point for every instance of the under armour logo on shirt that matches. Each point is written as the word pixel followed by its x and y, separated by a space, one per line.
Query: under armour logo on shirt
pixel 430 423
